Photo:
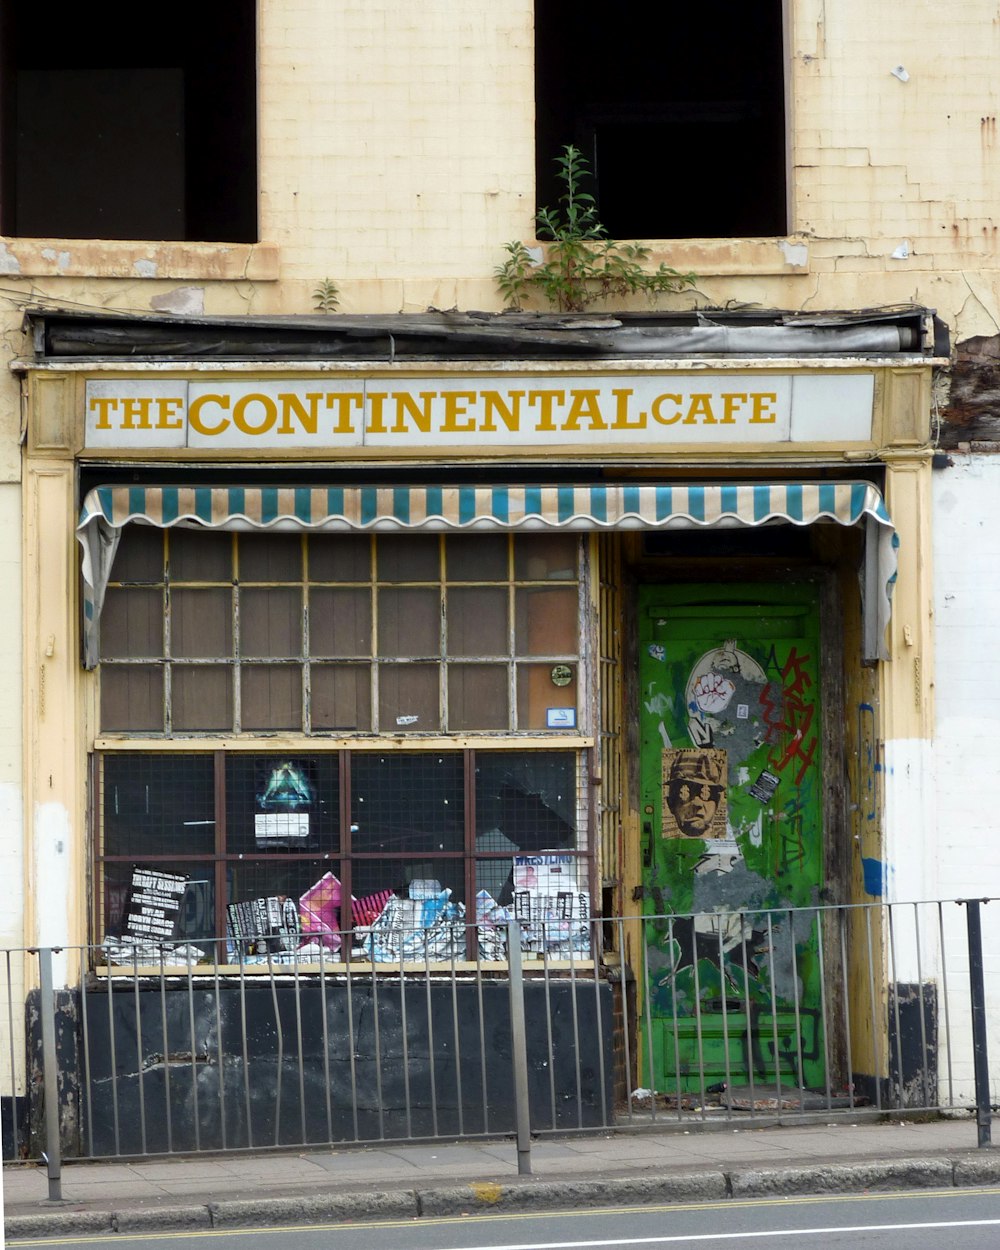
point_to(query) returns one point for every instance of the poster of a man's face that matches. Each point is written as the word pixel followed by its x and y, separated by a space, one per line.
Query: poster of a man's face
pixel 694 793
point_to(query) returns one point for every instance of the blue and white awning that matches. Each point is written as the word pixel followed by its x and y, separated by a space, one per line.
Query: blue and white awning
pixel 633 506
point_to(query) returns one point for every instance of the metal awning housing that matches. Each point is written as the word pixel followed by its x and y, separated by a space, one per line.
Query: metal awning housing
pixel 429 508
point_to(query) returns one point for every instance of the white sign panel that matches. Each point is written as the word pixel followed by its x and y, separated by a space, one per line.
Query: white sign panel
pixel 389 414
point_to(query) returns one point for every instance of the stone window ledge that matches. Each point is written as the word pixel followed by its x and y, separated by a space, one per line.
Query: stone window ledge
pixel 103 258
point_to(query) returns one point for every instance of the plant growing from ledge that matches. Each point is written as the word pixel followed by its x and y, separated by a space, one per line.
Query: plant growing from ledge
pixel 581 265
pixel 326 296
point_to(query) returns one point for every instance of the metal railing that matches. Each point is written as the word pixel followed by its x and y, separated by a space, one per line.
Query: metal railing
pixel 744 1017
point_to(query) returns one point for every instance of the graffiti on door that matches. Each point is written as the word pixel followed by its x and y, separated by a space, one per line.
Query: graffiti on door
pixel 732 839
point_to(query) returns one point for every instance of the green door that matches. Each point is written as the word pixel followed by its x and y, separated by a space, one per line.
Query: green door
pixel 731 802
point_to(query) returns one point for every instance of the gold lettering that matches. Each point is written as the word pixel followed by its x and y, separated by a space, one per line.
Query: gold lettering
pixel 584 404
pixel 454 407
pixel 621 421
pixel 166 408
pixel 195 418
pixel 731 400
pixel 133 408
pixel 421 417
pixel 376 422
pixel 342 402
pixel 700 406
pixel 104 405
pixel 240 413
pixel 546 400
pixel 655 409
pixel 762 414
pixel 509 415
pixel 290 403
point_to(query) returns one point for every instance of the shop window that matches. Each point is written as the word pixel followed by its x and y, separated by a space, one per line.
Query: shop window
pixel 323 634
pixel 284 855
pixel 680 112
pixel 109 130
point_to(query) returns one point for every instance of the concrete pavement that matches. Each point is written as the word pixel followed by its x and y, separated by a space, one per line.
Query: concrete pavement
pixel 652 1164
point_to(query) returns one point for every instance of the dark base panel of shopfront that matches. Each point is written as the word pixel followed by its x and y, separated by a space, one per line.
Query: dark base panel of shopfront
pixel 273 1098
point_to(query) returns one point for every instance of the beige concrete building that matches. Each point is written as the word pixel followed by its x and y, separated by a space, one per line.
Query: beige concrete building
pixel 179 221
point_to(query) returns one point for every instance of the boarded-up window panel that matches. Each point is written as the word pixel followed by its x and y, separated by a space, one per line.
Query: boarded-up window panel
pixel 341 697
pixel 408 698
pixel 408 558
pixel 132 624
pixel 537 692
pixel 139 557
pixel 545 557
pixel 477 622
pixel 478 697
pixel 340 622
pixel 271 623
pixel 271 696
pixel 201 623
pixel 200 556
pixel 132 698
pixel 202 697
pixel 476 557
pixel 546 622
pixel 340 558
pixel 409 623
pixel 270 558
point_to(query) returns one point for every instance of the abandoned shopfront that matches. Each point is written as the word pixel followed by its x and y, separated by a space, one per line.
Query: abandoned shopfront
pixel 384 629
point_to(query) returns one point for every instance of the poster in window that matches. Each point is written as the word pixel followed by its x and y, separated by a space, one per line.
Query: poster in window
pixel 285 797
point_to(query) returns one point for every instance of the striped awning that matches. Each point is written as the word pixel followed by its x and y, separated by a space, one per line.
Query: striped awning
pixel 330 509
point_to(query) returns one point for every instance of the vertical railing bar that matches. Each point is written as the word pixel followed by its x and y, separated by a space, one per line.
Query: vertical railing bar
pixel 405 1039
pixel 980 1032
pixel 351 1040
pixel 219 1052
pixel 326 1037
pixel 377 1038
pixel 85 1025
pixel 297 989
pixel 725 1017
pixel 648 1011
pixel 518 1049
pixel 576 1031
pixel 824 1026
pixel 244 1044
pixel 774 1013
pixel 458 1043
pixel 280 1035
pixel 50 1073
pixel 547 990
pixel 140 1066
pixel 801 1075
pixel 699 1032
pixel 626 1026
pixel 431 1053
pixel 876 1048
pixel 194 1056
pixel 674 968
pixel 113 1059
pixel 894 991
pixel 593 933
pixel 946 993
pixel 483 1072
pixel 923 1022
pixel 842 917
pixel 14 1135
pixel 748 1010
pixel 164 1027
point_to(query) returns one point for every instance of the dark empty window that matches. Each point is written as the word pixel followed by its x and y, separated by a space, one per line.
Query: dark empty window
pixel 678 108
pixel 122 122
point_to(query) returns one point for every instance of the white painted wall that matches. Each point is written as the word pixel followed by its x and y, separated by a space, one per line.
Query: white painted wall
pixel 963 854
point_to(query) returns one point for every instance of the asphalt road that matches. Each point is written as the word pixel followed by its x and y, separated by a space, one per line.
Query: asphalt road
pixel 928 1220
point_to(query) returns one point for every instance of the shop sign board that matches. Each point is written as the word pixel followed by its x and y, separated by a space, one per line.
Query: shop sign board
pixel 479 412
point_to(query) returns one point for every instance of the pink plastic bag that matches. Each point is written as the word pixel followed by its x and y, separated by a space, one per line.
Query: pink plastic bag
pixel 319 912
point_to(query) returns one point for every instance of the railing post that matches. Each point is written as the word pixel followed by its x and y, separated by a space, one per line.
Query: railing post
pixel 977 993
pixel 519 1049
pixel 50 1074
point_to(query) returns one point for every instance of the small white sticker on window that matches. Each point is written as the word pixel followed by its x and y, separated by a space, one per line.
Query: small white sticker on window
pixel 407 720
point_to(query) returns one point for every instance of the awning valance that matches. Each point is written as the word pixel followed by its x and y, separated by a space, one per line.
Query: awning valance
pixel 330 509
